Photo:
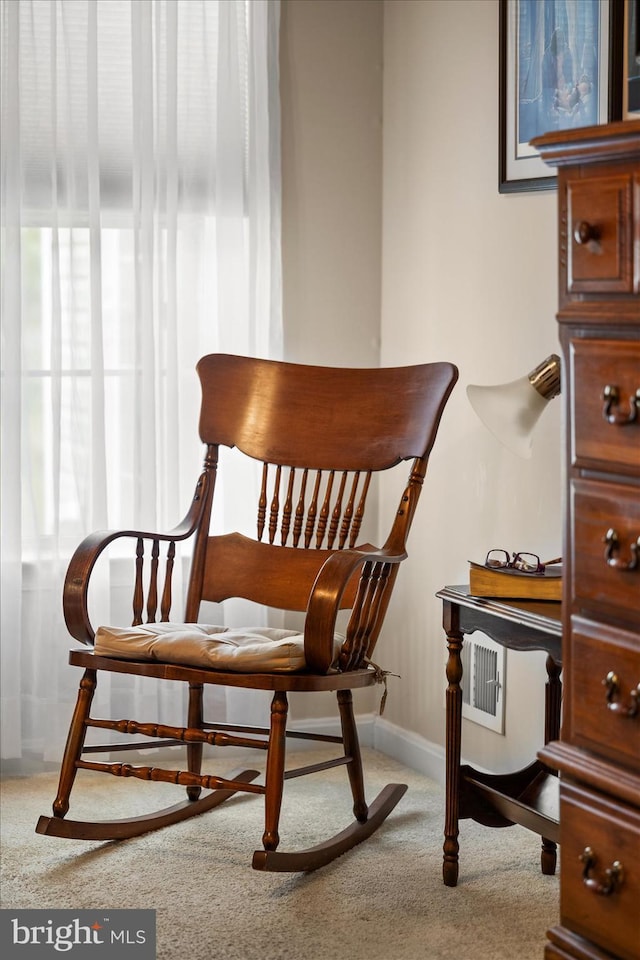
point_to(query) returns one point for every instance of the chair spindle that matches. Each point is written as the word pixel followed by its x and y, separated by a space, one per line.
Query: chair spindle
pixel 138 590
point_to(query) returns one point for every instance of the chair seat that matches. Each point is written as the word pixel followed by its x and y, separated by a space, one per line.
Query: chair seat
pixel 239 649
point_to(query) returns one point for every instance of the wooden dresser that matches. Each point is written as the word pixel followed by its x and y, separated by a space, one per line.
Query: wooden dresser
pixel 598 754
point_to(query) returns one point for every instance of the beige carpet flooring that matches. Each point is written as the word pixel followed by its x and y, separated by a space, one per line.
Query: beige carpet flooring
pixel 384 900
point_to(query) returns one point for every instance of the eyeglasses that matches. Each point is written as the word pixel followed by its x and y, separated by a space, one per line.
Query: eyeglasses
pixel 524 562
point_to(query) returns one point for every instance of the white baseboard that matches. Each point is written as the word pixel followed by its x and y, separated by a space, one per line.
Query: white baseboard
pixel 409 748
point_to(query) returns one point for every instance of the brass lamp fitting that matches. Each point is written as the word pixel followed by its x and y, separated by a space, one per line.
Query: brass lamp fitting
pixel 545 378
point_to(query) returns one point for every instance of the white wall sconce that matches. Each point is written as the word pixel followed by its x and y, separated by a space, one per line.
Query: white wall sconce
pixel 511 410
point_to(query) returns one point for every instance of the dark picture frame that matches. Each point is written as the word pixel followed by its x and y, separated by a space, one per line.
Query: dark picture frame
pixel 631 71
pixel 560 67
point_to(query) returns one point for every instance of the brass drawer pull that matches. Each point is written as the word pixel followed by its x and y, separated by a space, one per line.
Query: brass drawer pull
pixel 613 876
pixel 612 684
pixel 611 410
pixel 613 545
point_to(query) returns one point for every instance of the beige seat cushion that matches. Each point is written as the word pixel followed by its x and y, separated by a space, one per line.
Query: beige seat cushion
pixel 242 650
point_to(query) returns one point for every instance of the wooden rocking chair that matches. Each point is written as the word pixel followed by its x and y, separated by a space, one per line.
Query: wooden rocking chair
pixel 320 435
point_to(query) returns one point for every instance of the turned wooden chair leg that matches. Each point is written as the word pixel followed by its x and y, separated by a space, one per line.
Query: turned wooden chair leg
pixel 368 819
pixel 194 750
pixel 352 749
pixel 275 770
pixel 75 743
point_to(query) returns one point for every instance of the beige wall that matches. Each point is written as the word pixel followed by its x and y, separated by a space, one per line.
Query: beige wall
pixel 469 276
pixel 331 95
pixel 464 274
pixel 331 89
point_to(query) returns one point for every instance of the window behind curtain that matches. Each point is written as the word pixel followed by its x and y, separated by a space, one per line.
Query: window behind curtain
pixel 140 229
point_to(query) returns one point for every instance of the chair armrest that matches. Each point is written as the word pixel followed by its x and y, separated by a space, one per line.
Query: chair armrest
pixel 78 576
pixel 325 597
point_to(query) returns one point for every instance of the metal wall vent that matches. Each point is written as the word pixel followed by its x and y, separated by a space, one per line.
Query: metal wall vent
pixel 483 678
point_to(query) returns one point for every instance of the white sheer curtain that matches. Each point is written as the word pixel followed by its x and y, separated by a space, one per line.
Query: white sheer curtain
pixel 140 230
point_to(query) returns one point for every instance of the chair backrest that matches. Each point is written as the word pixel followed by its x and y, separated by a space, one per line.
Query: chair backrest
pixel 320 434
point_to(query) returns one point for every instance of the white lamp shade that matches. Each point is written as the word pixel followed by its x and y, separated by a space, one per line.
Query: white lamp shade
pixel 510 411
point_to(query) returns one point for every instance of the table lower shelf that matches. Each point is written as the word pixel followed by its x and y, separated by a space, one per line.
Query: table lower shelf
pixel 529 797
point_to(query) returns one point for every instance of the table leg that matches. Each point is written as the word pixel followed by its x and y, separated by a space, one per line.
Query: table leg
pixel 453 745
pixel 552 706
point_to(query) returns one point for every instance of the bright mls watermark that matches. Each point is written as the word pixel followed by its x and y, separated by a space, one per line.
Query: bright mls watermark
pixel 78 934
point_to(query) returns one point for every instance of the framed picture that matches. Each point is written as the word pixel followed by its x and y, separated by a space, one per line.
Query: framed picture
pixel 560 68
pixel 631 72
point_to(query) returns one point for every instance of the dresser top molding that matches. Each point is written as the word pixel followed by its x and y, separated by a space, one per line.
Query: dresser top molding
pixel 590 144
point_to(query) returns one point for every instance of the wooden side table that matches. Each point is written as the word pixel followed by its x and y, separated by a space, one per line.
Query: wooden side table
pixel 529 796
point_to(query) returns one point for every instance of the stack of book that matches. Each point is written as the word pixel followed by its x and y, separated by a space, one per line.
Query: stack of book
pixel 511 584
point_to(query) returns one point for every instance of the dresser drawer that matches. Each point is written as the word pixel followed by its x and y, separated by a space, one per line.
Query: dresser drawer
pixel 567 945
pixel 605 552
pixel 605 403
pixel 604 688
pixel 611 832
pixel 600 241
